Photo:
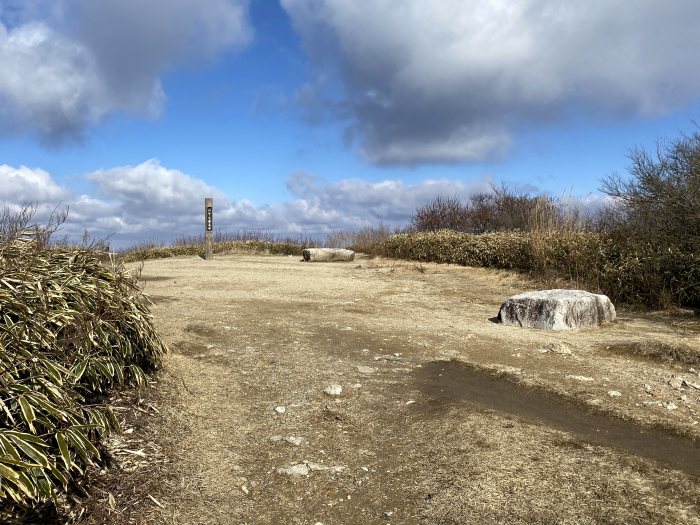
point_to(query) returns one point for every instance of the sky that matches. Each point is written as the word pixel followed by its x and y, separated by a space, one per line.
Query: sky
pixel 303 117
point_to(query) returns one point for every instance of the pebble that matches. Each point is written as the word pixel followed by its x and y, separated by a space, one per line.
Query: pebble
pixel 670 405
pixel 366 369
pixel 583 379
pixel 333 390
pixel 296 441
pixel 300 469
pixel 356 386
pixel 245 489
pixel 280 410
pixel 410 401
pixel 614 393
pixel 676 383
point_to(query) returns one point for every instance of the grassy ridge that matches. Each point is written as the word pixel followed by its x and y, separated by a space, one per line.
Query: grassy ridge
pixel 625 269
pixel 145 252
pixel 70 329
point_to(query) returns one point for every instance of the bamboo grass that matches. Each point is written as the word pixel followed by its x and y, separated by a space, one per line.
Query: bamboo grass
pixel 70 329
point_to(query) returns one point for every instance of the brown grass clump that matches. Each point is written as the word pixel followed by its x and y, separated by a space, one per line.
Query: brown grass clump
pixel 659 351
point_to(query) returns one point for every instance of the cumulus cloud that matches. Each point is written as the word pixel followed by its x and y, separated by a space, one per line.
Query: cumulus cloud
pixel 149 201
pixel 68 66
pixel 450 81
pixel 24 185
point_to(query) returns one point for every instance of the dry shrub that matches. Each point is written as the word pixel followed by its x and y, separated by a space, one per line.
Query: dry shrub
pixel 625 271
pixel 70 329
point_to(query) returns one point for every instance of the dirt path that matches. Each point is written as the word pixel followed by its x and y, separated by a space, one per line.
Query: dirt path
pixel 250 334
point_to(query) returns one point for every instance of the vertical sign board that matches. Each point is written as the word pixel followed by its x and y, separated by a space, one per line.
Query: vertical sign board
pixel 208 227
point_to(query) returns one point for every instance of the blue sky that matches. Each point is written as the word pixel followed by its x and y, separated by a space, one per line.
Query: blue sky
pixel 307 116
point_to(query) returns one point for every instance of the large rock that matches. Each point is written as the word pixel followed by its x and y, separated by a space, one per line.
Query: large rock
pixel 327 254
pixel 557 310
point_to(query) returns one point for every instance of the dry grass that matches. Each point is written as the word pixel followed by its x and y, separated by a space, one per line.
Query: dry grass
pixel 147 251
pixel 660 351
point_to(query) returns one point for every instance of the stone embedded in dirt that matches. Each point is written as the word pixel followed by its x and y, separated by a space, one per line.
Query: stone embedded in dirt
pixel 280 410
pixel 333 390
pixel 670 405
pixel 556 310
pixel 676 383
pixel 300 469
pixel 305 467
pixel 293 440
pixel 583 379
pixel 356 386
pixel 366 369
pixel 614 393
pixel 558 348
pixel 327 254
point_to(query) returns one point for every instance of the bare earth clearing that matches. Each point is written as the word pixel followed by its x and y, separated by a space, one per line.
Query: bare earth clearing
pixel 444 416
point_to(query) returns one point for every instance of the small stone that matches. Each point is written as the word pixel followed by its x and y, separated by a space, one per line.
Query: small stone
pixel 410 401
pixel 296 441
pixel 583 379
pixel 245 489
pixel 560 348
pixel 280 410
pixel 676 383
pixel 356 386
pixel 614 393
pixel 366 369
pixel 670 405
pixel 333 390
pixel 300 469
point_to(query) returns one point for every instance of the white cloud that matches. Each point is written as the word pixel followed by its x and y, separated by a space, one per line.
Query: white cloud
pixel 48 83
pixel 67 66
pixel 149 189
pixel 450 81
pixel 149 201
pixel 24 185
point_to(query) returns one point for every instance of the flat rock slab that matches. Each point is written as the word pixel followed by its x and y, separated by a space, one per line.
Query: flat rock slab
pixel 557 310
pixel 327 254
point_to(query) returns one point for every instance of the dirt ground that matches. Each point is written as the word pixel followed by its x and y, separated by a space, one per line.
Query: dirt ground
pixel 445 416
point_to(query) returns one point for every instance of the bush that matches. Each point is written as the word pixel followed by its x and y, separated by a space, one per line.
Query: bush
pixel 655 222
pixel 70 329
pixel 498 210
pixel 622 269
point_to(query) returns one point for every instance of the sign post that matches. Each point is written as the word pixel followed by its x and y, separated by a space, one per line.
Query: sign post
pixel 208 227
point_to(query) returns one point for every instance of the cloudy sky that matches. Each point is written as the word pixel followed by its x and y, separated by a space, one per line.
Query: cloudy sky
pixel 306 116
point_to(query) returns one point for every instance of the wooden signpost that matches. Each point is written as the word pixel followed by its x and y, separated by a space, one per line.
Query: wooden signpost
pixel 208 227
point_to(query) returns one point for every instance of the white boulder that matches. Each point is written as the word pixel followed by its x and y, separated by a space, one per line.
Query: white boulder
pixel 327 254
pixel 557 310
